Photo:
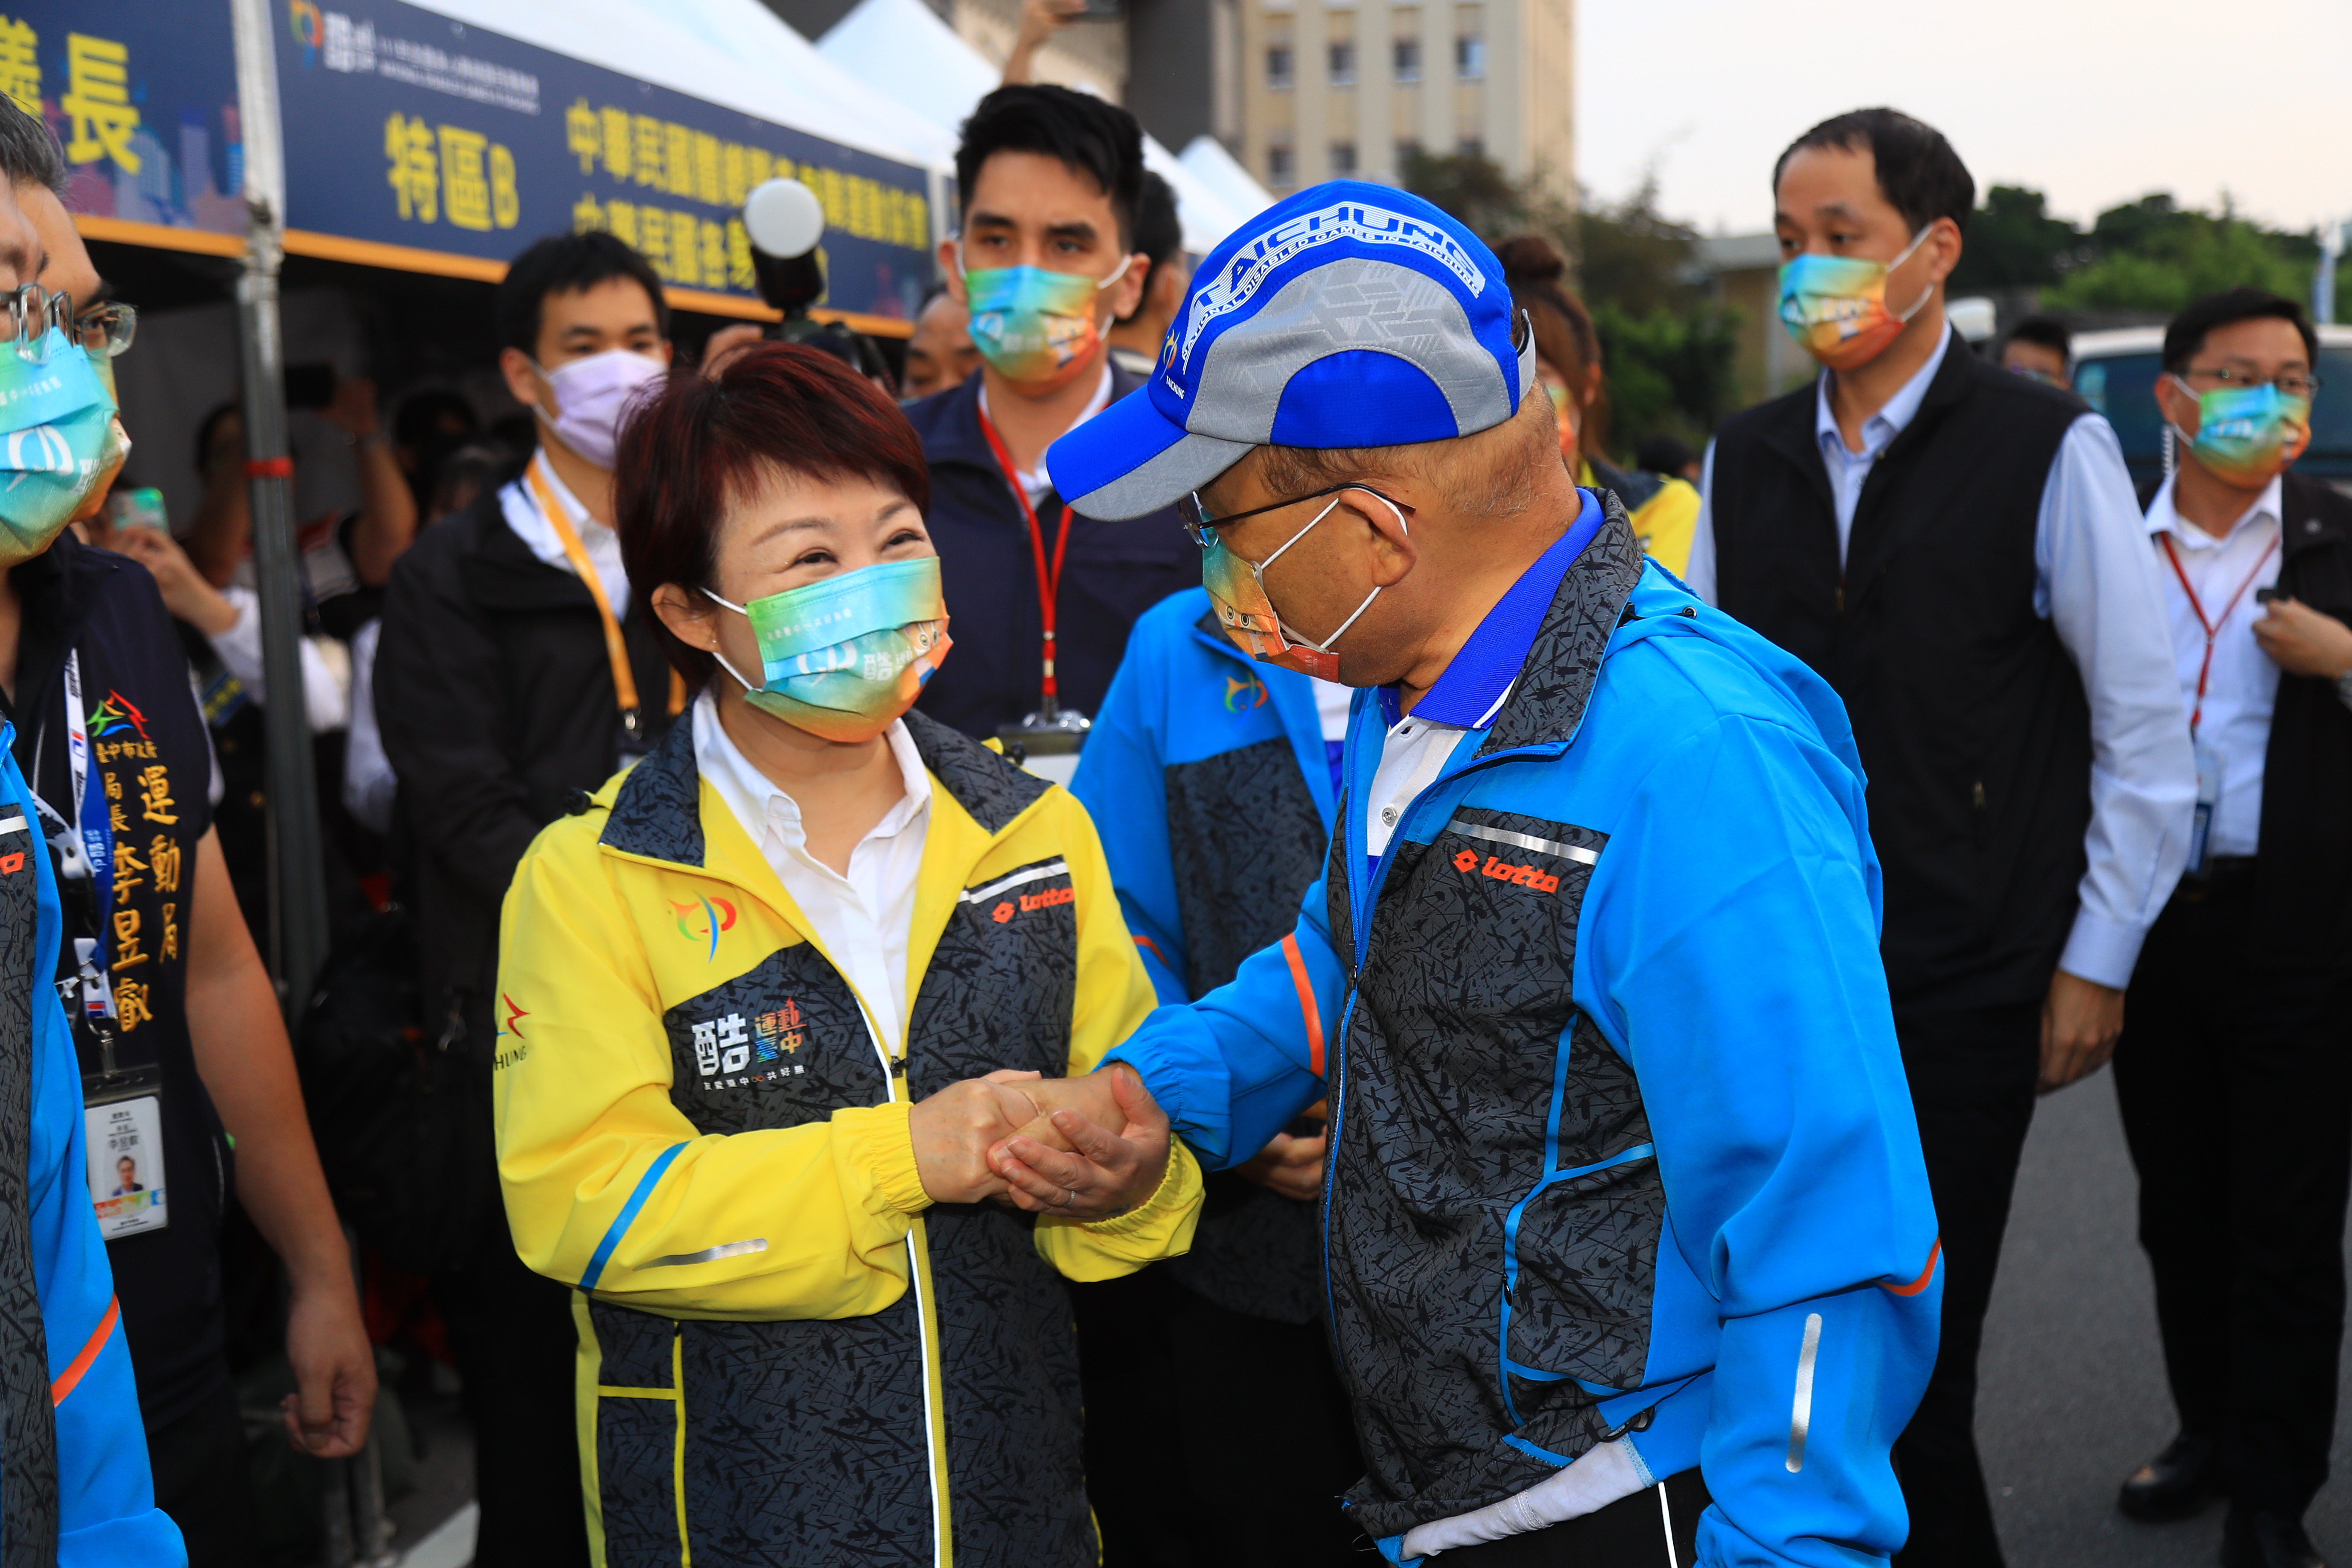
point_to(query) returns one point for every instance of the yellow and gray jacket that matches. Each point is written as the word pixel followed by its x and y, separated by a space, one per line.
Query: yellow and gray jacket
pixel 788 1353
pixel 1663 509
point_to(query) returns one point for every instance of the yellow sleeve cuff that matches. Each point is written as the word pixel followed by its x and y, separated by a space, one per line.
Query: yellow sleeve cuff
pixel 1159 1227
pixel 1180 1189
pixel 875 1146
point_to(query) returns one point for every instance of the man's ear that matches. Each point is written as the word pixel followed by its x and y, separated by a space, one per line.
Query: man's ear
pixel 1944 245
pixel 2176 406
pixel 1393 550
pixel 951 271
pixel 1168 292
pixel 1127 292
pixel 690 617
pixel 522 381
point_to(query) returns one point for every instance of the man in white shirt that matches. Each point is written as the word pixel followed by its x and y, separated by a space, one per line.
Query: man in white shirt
pixel 1957 550
pixel 514 672
pixel 2234 1075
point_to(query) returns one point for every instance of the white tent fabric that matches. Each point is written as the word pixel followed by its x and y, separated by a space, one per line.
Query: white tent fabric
pixel 1205 158
pixel 917 60
pixel 731 52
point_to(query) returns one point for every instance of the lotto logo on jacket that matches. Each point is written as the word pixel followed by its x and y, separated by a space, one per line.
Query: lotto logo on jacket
pixel 1530 876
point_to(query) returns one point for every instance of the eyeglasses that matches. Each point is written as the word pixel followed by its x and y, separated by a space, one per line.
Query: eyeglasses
pixel 33 312
pixel 1194 512
pixel 2294 383
pixel 105 329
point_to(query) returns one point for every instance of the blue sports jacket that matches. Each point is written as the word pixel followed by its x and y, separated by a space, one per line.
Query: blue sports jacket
pixel 1211 776
pixel 1622 1143
pixel 73 1468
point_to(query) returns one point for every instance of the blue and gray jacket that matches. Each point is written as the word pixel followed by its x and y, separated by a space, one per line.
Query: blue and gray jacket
pixel 75 1489
pixel 1622 1143
pixel 1211 776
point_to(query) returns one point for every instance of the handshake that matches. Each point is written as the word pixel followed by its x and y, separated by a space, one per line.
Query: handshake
pixel 1085 1148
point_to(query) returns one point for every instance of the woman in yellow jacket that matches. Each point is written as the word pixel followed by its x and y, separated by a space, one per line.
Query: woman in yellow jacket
pixel 746 995
pixel 1663 509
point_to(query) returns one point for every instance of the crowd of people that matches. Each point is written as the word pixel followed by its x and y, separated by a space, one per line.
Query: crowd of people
pixel 1513 1046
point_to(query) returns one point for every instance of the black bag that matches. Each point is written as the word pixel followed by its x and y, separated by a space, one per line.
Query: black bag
pixel 401 1116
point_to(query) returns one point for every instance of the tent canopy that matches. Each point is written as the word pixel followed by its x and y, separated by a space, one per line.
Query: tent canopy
pixel 903 48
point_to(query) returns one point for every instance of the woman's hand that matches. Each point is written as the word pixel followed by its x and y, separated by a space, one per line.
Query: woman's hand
pixel 2304 641
pixel 1105 1173
pixel 953 1130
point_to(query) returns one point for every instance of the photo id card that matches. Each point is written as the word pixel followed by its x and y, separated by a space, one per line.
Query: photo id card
pixel 126 1164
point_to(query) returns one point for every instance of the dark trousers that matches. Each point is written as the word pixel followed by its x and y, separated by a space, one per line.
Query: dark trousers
pixel 1212 1437
pixel 511 1334
pixel 2235 1080
pixel 1655 1527
pixel 1972 1074
pixel 201 1482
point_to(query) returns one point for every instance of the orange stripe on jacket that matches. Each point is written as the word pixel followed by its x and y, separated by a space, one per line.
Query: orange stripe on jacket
pixel 68 1379
pixel 1307 1011
pixel 1925 1274
pixel 1147 942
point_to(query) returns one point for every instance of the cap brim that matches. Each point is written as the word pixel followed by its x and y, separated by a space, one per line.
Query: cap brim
pixel 1131 461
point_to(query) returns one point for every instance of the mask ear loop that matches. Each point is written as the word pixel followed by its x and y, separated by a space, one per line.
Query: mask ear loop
pixel 721 657
pixel 1918 240
pixel 1325 646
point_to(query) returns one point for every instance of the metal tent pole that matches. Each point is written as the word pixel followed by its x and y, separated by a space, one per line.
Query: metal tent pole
pixel 298 907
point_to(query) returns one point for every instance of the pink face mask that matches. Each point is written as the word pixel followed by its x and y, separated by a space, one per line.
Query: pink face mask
pixel 591 396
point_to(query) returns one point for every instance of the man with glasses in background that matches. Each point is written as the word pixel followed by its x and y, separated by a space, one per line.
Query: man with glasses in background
pixel 2234 1073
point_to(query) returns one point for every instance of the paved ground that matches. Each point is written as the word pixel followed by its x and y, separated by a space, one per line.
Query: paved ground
pixel 2072 1396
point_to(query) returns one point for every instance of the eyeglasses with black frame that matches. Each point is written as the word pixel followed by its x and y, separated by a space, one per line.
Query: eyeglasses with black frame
pixel 1194 512
pixel 2293 383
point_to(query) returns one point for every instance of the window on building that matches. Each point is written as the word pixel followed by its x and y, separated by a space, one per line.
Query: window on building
pixel 1408 60
pixel 1343 160
pixel 1281 167
pixel 1470 56
pixel 1277 67
pixel 1471 147
pixel 1343 64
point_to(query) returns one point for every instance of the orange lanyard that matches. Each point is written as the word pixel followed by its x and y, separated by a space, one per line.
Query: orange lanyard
pixel 624 684
pixel 1049 581
pixel 2212 628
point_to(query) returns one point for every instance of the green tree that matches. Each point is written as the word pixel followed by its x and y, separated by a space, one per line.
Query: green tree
pixel 2014 243
pixel 2152 256
pixel 1667 345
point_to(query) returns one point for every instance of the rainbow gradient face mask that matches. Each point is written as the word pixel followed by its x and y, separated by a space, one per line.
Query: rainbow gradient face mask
pixel 1836 305
pixel 1237 591
pixel 1034 326
pixel 58 437
pixel 844 657
pixel 2246 434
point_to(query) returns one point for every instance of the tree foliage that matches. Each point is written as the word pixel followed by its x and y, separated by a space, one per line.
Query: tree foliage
pixel 1666 344
pixel 2151 254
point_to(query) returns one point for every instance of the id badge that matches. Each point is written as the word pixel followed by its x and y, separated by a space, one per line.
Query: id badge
pixel 122 1118
pixel 2209 799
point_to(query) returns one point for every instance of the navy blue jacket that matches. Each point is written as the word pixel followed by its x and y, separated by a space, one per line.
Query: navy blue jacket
pixel 1113 573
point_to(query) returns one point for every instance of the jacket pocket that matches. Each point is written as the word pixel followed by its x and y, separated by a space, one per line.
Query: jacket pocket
pixel 1580 1256
pixel 640 1443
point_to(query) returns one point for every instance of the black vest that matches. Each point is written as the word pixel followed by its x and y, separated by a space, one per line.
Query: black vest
pixel 1969 714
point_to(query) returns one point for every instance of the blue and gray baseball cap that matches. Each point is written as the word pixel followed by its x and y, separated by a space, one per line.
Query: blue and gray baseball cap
pixel 1348 315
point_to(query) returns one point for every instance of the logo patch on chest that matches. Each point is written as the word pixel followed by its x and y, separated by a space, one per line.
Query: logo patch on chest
pixel 728 1053
pixel 1501 870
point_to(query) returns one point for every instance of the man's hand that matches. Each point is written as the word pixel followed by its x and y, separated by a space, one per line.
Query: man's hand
pixel 352 409
pixel 954 1130
pixel 1105 1173
pixel 2304 641
pixel 1294 1166
pixel 334 1373
pixel 2081 1020
pixel 1040 20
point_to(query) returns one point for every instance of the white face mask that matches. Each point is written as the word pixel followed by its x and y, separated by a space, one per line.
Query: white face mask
pixel 591 394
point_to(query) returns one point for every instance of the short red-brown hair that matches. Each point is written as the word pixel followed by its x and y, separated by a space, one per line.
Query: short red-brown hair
pixel 702 442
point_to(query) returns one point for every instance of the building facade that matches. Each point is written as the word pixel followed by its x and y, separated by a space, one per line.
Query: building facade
pixel 1348 88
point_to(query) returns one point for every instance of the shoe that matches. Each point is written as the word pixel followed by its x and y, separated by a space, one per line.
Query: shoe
pixel 2257 1538
pixel 2175 1484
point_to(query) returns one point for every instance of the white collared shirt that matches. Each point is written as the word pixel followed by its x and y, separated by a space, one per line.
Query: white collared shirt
pixel 2243 686
pixel 2095 582
pixel 863 920
pixel 531 525
pixel 1036 481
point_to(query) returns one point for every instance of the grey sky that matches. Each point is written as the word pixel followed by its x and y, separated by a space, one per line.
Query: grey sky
pixel 2094 102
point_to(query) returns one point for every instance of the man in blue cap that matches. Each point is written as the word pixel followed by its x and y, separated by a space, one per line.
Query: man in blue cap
pixel 1624 1208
